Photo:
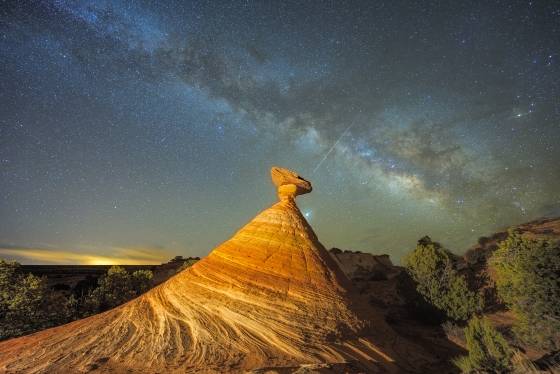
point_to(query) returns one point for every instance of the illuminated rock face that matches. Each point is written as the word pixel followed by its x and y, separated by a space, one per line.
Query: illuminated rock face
pixel 289 183
pixel 271 296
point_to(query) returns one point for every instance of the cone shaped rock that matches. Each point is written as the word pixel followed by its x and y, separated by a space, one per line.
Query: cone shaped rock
pixel 270 296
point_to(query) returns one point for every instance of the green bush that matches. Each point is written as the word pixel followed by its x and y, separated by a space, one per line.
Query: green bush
pixel 489 352
pixel 432 268
pixel 188 263
pixel 26 303
pixel 416 305
pixel 20 300
pixel 528 281
pixel 116 288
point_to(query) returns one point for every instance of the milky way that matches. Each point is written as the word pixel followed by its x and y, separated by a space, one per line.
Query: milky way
pixel 142 130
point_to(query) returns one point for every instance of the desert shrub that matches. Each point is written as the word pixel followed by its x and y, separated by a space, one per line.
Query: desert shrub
pixel 85 286
pixel 489 352
pixel 20 300
pixel 141 281
pixel 116 287
pixel 58 309
pixel 437 280
pixel 26 303
pixel 454 332
pixel 416 305
pixel 188 263
pixel 528 281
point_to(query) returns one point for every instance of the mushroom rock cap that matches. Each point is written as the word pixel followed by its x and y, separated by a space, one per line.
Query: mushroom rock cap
pixel 289 183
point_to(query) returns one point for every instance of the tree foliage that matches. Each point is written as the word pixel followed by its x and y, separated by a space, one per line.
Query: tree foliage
pixel 489 352
pixel 26 304
pixel 188 263
pixel 115 288
pixel 432 268
pixel 528 281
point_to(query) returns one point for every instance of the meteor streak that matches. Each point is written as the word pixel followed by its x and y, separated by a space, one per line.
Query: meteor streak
pixel 331 149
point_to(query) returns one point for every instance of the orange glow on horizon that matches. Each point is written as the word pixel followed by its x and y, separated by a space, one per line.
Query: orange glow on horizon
pixel 109 256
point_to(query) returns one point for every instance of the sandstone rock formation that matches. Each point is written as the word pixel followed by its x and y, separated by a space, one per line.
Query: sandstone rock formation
pixel 364 266
pixel 289 184
pixel 270 299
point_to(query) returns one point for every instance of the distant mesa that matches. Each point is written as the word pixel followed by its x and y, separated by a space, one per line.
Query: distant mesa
pixel 269 299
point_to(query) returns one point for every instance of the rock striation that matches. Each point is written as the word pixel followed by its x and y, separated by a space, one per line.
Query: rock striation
pixel 269 299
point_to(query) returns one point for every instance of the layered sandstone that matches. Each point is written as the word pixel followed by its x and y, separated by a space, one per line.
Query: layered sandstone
pixel 269 297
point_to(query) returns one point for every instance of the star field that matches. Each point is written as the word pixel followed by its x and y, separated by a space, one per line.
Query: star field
pixel 141 130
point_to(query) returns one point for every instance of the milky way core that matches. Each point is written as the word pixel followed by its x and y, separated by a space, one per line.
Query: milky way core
pixel 136 131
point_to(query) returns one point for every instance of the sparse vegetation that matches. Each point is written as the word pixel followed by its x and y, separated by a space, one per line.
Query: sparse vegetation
pixel 115 288
pixel 528 281
pixel 489 352
pixel 28 305
pixel 432 268
pixel 526 271
pixel 187 263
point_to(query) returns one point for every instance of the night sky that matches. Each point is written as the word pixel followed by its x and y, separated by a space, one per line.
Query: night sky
pixel 131 132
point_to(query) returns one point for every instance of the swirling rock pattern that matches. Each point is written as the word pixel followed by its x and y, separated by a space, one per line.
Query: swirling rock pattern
pixel 269 297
